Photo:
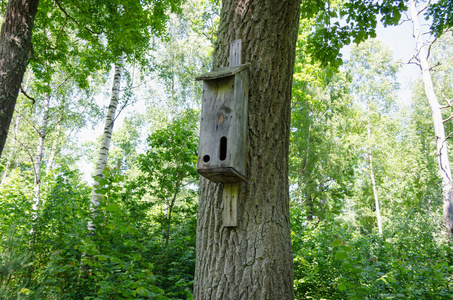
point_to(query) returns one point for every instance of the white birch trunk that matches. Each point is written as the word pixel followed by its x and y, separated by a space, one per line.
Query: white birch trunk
pixel 375 193
pixel 38 160
pixel 370 162
pixel 54 148
pixel 373 183
pixel 106 138
pixel 439 130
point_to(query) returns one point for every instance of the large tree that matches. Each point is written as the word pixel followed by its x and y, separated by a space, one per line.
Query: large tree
pixel 438 121
pixel 15 47
pixel 254 260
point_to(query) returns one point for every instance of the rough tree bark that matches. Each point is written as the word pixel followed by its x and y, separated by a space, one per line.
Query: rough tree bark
pixel 15 46
pixel 254 260
pixel 439 130
pixel 106 138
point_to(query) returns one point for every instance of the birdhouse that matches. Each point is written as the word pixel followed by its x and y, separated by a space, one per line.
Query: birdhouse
pixel 222 148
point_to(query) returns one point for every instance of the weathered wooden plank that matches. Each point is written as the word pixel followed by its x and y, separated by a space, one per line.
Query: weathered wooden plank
pixel 235 53
pixel 223 128
pixel 222 175
pixel 230 209
pixel 223 72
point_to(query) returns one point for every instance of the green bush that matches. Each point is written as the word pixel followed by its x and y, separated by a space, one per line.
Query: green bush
pixel 333 261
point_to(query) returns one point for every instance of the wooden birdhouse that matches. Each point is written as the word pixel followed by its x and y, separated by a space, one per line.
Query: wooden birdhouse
pixel 222 148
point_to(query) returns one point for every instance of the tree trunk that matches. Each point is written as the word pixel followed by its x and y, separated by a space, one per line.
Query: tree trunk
pixel 106 138
pixel 439 130
pixel 373 181
pixel 309 203
pixel 53 152
pixel 254 260
pixel 170 210
pixel 55 146
pixel 15 46
pixel 375 193
pixel 38 160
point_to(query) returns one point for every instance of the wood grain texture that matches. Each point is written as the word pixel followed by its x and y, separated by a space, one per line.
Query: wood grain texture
pixel 222 148
pixel 235 53
pixel 223 72
pixel 230 209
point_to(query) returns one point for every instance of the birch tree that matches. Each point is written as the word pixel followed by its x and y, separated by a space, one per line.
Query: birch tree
pixel 374 89
pixel 42 132
pixel 106 138
pixel 438 121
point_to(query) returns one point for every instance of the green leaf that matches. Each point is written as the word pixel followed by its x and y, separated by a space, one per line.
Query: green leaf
pixel 112 207
pixel 346 248
pixel 341 255
pixel 102 257
pixel 336 243
pixel 341 287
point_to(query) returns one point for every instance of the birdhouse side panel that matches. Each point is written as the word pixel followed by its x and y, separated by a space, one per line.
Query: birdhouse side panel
pixel 237 136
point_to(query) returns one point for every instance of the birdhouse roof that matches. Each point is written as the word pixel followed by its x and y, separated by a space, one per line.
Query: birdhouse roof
pixel 222 72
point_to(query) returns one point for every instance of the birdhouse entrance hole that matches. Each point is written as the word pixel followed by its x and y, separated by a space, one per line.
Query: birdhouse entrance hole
pixel 223 148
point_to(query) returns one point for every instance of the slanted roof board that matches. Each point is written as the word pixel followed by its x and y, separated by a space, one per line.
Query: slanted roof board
pixel 223 72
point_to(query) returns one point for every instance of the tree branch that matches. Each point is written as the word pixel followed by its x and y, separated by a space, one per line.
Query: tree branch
pixel 33 100
pixel 27 150
pixel 424 8
pixel 448 119
pixel 445 98
pixel 60 85
pixel 28 121
pixel 73 19
pixel 414 61
pixel 435 66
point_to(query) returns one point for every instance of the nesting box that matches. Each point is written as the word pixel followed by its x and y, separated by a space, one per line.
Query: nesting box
pixel 222 148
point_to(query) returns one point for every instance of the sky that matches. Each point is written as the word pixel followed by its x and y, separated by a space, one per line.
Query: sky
pixel 401 40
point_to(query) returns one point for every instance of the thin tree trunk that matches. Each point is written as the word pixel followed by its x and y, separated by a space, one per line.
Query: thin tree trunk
pixel 15 46
pixel 53 150
pixel 439 130
pixel 375 193
pixel 310 204
pixel 106 138
pixel 304 169
pixel 38 160
pixel 170 209
pixel 254 260
pixel 373 181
